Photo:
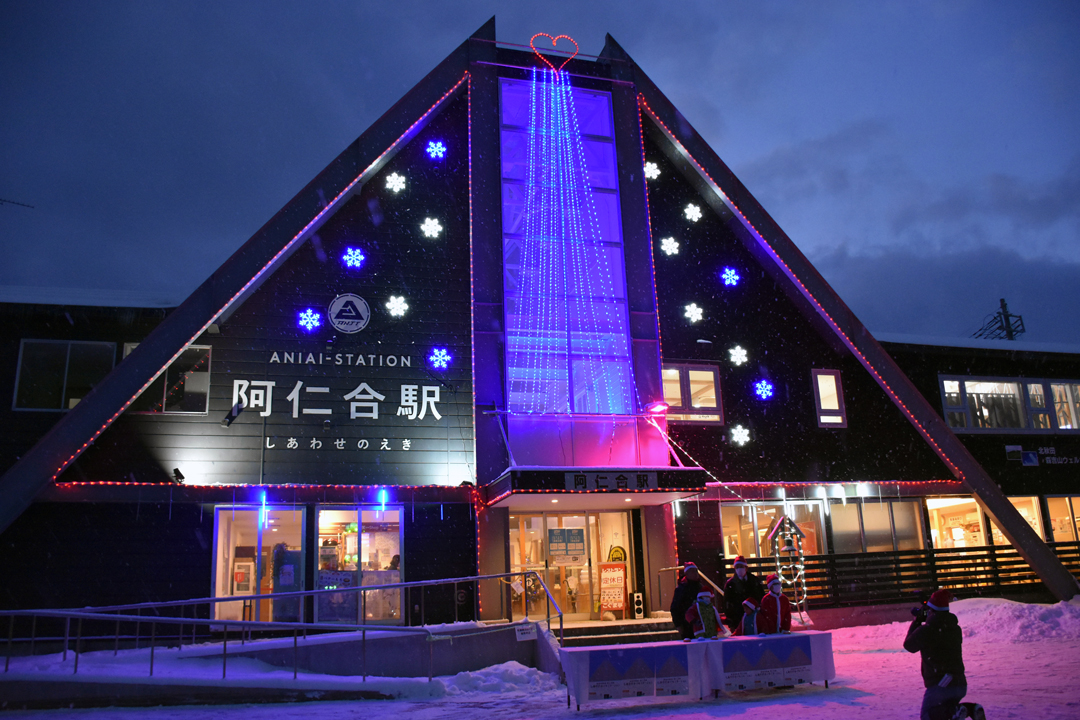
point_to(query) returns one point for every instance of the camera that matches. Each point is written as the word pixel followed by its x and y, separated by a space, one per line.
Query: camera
pixel 919 612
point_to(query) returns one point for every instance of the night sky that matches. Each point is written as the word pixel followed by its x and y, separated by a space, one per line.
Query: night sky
pixel 924 155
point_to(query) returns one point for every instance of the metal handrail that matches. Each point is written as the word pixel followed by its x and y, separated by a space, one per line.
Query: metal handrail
pixel 112 613
pixel 702 575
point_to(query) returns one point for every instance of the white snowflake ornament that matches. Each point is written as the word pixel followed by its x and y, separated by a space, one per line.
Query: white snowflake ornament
pixel 693 212
pixel 397 306
pixel 651 171
pixel 431 227
pixel 694 313
pixel 395 183
pixel 739 435
pixel 738 355
pixel 670 246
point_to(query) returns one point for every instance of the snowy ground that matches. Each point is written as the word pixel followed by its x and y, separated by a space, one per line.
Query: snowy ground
pixel 1023 661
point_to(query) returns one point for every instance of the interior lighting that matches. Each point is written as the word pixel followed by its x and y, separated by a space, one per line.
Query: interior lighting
pixel 554 500
pixel 436 150
pixel 764 389
pixel 440 358
pixel 431 227
pixel 729 276
pixel 651 171
pixel 397 306
pixel 309 320
pixel 738 355
pixel 739 435
pixel 693 212
pixel 395 183
pixel 670 246
pixel 694 313
pixel 353 257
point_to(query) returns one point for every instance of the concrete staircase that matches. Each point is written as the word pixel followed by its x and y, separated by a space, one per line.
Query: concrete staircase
pixel 619 634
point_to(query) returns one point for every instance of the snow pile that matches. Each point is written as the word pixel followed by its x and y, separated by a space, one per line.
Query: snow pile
pixel 507 677
pixel 993 619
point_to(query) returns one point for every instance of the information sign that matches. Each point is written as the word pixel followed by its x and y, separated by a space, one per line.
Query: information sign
pixel 566 546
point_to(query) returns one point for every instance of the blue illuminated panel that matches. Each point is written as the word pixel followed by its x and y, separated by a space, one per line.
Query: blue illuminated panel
pixel 568 348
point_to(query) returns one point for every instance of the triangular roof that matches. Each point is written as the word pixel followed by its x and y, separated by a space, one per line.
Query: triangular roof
pixel 244 271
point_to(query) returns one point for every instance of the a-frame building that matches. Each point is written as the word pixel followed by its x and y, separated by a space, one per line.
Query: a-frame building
pixel 516 323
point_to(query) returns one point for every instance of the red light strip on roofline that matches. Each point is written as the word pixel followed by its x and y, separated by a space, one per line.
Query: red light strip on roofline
pixel 806 291
pixel 330 206
pixel 834 484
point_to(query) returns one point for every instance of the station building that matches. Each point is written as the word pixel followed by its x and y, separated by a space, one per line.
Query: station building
pixel 529 320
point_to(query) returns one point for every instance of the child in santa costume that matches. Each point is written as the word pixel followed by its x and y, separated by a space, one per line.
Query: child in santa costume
pixel 775 614
pixel 704 618
pixel 748 624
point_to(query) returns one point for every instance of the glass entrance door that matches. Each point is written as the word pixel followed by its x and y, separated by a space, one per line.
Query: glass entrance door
pixel 258 551
pixel 568 550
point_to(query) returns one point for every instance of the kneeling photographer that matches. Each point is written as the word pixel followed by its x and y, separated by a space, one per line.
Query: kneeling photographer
pixel 935 633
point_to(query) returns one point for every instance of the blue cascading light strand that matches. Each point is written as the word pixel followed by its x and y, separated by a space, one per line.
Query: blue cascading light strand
pixel 568 346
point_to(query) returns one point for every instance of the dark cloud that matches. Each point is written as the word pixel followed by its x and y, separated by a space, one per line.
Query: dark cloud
pixel 950 295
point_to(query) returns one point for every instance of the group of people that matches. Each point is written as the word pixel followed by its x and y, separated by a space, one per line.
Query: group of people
pixel 750 606
pixel 755 608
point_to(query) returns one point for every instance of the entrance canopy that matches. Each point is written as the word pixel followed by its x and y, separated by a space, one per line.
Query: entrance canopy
pixel 557 489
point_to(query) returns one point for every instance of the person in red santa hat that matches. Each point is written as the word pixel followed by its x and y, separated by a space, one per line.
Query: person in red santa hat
pixel 775 614
pixel 741 585
pixel 935 634
pixel 704 618
pixel 748 623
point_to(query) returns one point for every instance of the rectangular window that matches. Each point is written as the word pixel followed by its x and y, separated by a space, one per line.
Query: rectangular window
pixel 1066 405
pixel 829 397
pixel 184 387
pixel 1064 524
pixel 876 525
pixel 359 546
pixel 1028 507
pixel 1010 405
pixel 956 522
pixel 692 393
pixel 57 374
pixel 746 527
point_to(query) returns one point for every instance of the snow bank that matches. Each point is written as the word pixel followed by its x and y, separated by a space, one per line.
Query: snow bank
pixel 1005 620
pixel 507 677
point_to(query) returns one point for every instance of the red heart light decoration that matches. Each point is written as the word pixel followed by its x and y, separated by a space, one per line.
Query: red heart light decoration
pixel 554 41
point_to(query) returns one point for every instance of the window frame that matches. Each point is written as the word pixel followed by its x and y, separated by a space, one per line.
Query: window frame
pixel 686 407
pixel 67 368
pixel 841 412
pixel 860 502
pixel 128 347
pixel 1027 408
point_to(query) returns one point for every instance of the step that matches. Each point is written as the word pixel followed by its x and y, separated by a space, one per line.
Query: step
pixel 620 638
pixel 616 628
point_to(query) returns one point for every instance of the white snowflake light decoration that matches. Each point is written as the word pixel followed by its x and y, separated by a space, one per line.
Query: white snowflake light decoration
pixel 651 171
pixel 738 355
pixel 436 150
pixel 440 358
pixel 693 212
pixel 309 320
pixel 353 257
pixel 431 227
pixel 397 306
pixel 694 313
pixel 739 435
pixel 395 183
pixel 729 276
pixel 670 246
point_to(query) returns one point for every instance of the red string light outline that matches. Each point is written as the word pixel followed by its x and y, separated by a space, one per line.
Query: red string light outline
pixel 554 42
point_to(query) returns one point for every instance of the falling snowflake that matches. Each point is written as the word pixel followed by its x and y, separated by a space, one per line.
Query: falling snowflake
pixel 309 320
pixel 738 355
pixel 651 171
pixel 397 306
pixel 353 257
pixel 670 246
pixel 764 389
pixel 436 150
pixel 395 183
pixel 693 212
pixel 740 435
pixel 694 313
pixel 431 227
pixel 440 358
pixel 730 276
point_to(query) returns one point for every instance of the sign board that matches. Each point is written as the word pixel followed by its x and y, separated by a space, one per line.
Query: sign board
pixel 614 480
pixel 566 546
pixel 526 632
pixel 612 586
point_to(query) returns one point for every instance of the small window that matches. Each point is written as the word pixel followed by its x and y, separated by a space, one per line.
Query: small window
pixel 1010 405
pixel 692 393
pixel 184 387
pixel 1066 405
pixel 829 397
pixel 57 374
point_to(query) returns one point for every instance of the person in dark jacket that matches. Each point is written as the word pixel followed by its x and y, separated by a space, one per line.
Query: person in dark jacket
pixel 935 633
pixel 740 586
pixel 684 596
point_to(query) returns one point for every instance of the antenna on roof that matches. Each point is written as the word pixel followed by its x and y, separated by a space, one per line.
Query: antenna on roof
pixel 1002 325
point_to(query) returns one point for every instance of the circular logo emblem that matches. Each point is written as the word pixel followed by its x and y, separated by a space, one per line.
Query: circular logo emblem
pixel 349 313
